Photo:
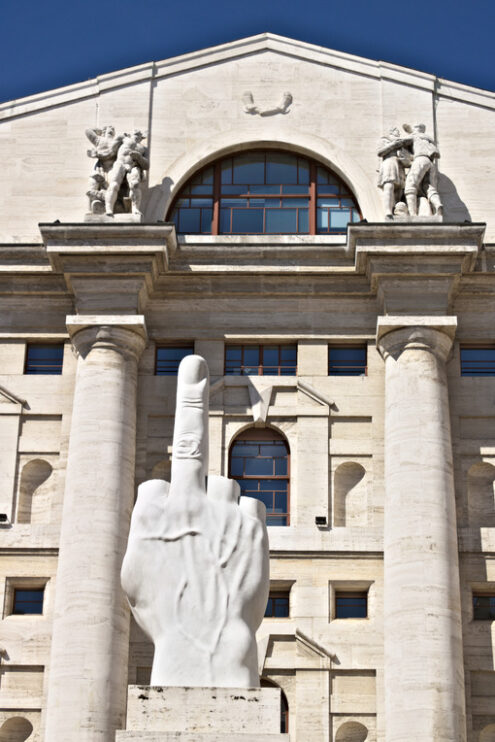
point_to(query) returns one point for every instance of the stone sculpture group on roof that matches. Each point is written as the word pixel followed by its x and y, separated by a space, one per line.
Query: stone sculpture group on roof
pixel 121 162
pixel 408 174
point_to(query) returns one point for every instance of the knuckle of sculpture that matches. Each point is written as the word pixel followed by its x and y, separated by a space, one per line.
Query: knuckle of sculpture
pixel 188 447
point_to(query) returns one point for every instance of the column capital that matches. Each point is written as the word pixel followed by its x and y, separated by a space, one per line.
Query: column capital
pixel 122 333
pixel 394 334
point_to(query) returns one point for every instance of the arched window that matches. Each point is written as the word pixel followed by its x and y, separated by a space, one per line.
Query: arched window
pixel 264 192
pixel 284 706
pixel 259 461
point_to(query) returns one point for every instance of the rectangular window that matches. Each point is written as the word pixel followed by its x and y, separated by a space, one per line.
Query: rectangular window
pixel 44 359
pixel 278 605
pixel 28 602
pixel 168 358
pixel 351 605
pixel 260 360
pixel 478 361
pixel 347 360
pixel 484 607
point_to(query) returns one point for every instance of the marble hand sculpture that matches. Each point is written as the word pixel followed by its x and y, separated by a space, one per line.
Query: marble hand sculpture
pixel 196 570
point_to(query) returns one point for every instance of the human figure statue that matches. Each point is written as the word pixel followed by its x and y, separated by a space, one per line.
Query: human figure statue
pixel 106 146
pixel 422 178
pixel 196 570
pixel 392 176
pixel 130 163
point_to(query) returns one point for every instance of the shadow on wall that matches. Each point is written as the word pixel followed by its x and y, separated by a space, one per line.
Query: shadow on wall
pixel 351 731
pixel 33 495
pixel 156 194
pixel 350 501
pixel 481 494
pixel 455 209
pixel 16 729
pixel 488 734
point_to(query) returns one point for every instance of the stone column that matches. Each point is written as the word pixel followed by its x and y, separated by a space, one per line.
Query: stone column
pixel 87 677
pixel 424 680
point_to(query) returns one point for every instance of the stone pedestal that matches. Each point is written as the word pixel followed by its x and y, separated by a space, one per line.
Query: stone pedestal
pixel 164 714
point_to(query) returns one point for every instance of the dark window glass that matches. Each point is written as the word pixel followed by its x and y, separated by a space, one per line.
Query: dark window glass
pixel 169 357
pixel 260 360
pixel 243 195
pixel 478 361
pixel 28 601
pixel 351 605
pixel 261 466
pixel 278 605
pixel 44 359
pixel 347 361
pixel 484 607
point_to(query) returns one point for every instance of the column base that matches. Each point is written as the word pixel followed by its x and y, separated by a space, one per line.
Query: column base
pixel 166 714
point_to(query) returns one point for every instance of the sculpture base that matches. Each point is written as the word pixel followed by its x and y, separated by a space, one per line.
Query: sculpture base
pixel 166 714
pixel 115 219
pixel 420 219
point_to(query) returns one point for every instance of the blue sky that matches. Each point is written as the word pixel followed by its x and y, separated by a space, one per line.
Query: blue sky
pixel 50 43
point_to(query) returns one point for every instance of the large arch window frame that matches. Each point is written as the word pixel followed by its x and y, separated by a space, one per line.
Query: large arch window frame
pixel 259 460
pixel 264 192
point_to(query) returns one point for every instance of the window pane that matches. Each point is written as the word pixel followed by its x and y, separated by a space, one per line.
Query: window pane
pixel 281 607
pixel 247 221
pixel 339 218
pixel 347 361
pixel 169 357
pixel 280 502
pixel 251 355
pixel 288 352
pixel 233 189
pixel 44 359
pixel 237 467
pixel 280 467
pixel 281 221
pixel 225 215
pixel 303 171
pixel 249 169
pixel 270 355
pixel 277 520
pixel 267 189
pixel 293 202
pixel 281 168
pixel 28 602
pixel 484 607
pixel 295 189
pixel 351 605
pixel 259 467
pixel 227 171
pixel 206 219
pixel 233 352
pixel 478 361
pixel 331 188
pixel 189 220
pixel 200 189
pixel 321 219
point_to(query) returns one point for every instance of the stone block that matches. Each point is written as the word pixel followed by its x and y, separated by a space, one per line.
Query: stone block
pixel 202 714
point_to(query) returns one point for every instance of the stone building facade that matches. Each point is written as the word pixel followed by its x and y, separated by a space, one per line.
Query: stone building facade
pixel 383 540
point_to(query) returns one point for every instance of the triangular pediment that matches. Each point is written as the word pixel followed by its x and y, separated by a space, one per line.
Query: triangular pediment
pixel 294 650
pixel 235 50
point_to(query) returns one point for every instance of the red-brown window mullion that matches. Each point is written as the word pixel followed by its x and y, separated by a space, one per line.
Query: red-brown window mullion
pixel 312 198
pixel 216 199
